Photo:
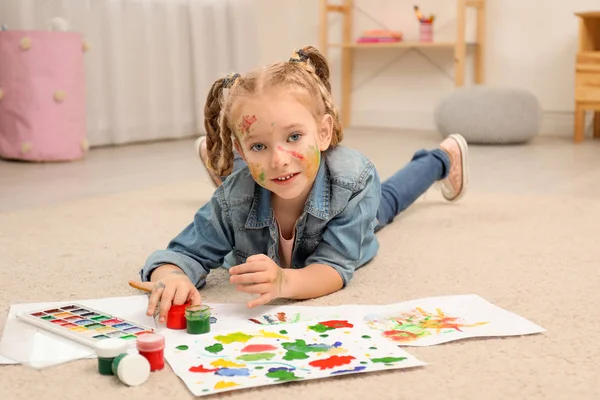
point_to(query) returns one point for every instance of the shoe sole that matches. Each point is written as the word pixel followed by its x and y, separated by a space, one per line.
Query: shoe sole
pixel 464 150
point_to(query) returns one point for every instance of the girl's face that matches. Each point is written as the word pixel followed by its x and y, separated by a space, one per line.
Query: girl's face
pixel 278 137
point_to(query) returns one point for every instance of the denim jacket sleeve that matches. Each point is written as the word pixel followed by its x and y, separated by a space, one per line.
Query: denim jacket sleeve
pixel 201 246
pixel 351 234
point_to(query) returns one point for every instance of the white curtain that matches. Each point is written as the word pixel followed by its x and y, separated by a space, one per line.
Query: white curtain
pixel 151 62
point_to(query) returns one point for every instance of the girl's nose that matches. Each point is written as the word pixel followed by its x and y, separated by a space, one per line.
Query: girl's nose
pixel 280 158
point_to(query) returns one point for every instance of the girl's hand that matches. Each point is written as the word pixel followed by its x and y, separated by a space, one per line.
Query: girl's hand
pixel 173 288
pixel 260 275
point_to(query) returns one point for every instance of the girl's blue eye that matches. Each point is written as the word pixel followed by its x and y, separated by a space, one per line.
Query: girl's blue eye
pixel 294 137
pixel 257 147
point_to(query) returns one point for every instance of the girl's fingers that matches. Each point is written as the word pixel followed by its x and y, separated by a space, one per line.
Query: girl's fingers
pixel 252 278
pixel 165 303
pixel 195 297
pixel 181 294
pixel 260 300
pixel 155 296
pixel 258 289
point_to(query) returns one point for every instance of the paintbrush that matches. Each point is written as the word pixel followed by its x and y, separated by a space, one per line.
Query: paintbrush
pixel 134 285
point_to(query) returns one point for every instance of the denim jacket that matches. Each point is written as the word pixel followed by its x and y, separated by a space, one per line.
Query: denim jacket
pixel 336 228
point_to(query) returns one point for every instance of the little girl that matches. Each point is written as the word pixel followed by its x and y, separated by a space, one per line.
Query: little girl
pixel 296 211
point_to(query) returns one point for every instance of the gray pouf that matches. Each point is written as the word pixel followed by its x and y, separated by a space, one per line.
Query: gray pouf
pixel 488 115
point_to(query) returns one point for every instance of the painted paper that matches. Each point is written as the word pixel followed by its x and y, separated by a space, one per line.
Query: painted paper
pixel 274 354
pixel 437 320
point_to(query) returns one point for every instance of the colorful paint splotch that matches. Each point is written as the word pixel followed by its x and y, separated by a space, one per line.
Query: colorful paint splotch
pixel 291 152
pixel 325 326
pixel 417 324
pixel 332 362
pixel 247 121
pixel 275 319
pixel 224 361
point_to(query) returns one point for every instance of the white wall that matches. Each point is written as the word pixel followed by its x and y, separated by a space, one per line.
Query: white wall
pixel 529 45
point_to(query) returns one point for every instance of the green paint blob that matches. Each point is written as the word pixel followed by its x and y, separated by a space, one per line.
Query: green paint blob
pixel 324 335
pixel 372 348
pixel 282 375
pixel 366 337
pixel 297 350
pixel 294 355
pixel 387 360
pixel 182 347
pixel 320 328
pixel 259 367
pixel 364 362
pixel 261 177
pixel 255 356
pixel 215 348
pixel 283 332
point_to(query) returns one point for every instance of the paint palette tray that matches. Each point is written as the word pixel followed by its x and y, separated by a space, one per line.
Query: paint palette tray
pixel 84 324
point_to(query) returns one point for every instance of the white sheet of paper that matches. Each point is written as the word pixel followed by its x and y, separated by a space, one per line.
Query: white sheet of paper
pixel 27 344
pixel 273 354
pixel 436 320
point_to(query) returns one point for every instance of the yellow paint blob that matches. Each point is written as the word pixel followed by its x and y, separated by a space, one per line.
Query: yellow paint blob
pixel 272 335
pixel 225 385
pixel 222 363
pixel 84 145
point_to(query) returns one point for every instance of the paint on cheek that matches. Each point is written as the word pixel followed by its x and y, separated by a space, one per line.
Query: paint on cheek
pixel 292 153
pixel 312 161
pixel 257 172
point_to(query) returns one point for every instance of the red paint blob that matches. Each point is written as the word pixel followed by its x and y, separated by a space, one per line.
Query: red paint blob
pixel 200 368
pixel 400 336
pixel 331 362
pixel 336 324
pixel 258 348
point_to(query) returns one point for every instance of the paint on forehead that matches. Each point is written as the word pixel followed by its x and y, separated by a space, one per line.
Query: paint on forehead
pixel 291 152
pixel 247 121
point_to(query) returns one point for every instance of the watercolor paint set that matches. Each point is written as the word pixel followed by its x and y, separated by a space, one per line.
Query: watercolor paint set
pixel 84 324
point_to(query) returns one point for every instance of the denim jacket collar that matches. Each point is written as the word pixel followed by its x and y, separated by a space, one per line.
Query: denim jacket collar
pixel 317 204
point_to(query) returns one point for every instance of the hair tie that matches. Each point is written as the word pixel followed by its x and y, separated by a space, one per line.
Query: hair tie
pixel 228 81
pixel 302 56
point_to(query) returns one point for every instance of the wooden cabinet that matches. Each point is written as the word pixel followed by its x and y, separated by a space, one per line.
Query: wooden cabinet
pixel 587 74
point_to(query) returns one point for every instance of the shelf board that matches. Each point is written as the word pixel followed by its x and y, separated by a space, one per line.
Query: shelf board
pixel 393 44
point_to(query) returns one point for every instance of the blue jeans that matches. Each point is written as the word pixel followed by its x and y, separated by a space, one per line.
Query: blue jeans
pixel 405 186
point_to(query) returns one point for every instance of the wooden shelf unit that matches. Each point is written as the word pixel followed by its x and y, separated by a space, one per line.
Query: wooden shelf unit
pixel 587 74
pixel 348 45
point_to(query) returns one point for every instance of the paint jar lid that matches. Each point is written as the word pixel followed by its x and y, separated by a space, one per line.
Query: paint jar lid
pixel 150 342
pixel 131 369
pixel 178 309
pixel 110 348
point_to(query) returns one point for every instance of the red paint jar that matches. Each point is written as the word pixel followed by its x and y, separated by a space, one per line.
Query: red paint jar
pixel 152 347
pixel 176 316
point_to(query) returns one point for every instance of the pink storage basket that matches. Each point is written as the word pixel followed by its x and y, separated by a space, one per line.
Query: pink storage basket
pixel 42 96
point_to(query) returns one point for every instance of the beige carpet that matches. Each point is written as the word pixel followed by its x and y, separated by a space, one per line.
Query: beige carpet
pixel 537 257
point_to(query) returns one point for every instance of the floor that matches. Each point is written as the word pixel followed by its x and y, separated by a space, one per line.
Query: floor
pixel 547 165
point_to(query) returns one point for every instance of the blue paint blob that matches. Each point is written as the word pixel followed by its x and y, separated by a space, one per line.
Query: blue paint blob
pixel 233 372
pixel 213 320
pixel 356 369
pixel 280 369
pixel 337 344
